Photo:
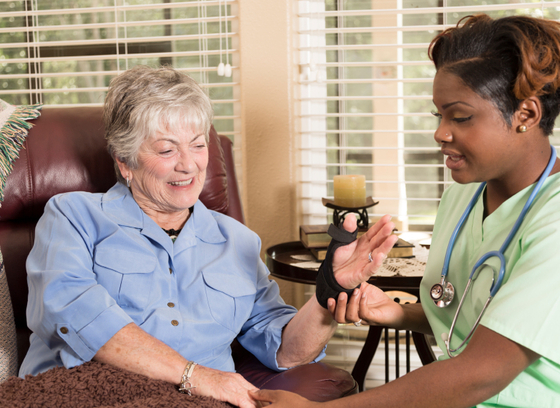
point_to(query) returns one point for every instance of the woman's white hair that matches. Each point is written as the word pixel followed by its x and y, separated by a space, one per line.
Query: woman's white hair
pixel 144 101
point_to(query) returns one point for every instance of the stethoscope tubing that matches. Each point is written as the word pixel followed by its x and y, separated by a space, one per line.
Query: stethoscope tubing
pixel 496 283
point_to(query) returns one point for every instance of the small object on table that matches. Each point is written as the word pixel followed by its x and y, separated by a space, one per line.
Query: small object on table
pixel 316 236
pixel 340 213
pixel 401 249
pixel 319 253
pixel 350 190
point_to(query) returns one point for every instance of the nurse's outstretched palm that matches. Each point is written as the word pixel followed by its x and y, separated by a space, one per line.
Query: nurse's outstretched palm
pixel 368 303
pixel 378 308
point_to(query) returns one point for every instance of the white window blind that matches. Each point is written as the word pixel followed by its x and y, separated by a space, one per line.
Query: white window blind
pixel 366 99
pixel 65 52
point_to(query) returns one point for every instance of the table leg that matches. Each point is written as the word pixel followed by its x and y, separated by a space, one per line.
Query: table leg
pixel 423 348
pixel 366 355
pixel 371 344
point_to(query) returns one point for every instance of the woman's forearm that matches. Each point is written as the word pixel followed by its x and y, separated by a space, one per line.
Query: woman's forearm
pixel 305 335
pixel 132 349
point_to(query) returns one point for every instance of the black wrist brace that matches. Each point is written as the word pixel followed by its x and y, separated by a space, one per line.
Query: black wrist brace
pixel 327 286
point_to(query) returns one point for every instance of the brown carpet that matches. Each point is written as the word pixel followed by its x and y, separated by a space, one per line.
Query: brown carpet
pixel 97 385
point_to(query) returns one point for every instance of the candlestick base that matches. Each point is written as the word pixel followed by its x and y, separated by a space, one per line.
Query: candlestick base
pixel 340 212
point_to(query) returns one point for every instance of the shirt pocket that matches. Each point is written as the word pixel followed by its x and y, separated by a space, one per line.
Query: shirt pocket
pixel 230 297
pixel 127 275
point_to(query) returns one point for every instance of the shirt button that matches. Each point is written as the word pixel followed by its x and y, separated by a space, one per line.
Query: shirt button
pixel 63 330
pixel 171 304
pixel 174 322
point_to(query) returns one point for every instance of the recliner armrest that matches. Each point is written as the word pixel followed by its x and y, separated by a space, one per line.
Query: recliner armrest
pixel 316 381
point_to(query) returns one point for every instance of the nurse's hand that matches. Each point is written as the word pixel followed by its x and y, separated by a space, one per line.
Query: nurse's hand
pixel 351 263
pixel 281 399
pixel 368 303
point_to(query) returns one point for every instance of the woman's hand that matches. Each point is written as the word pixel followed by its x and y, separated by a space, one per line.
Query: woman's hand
pixel 224 386
pixel 351 263
pixel 368 303
pixel 281 399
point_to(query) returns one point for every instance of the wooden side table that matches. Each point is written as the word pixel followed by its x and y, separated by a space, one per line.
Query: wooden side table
pixel 282 264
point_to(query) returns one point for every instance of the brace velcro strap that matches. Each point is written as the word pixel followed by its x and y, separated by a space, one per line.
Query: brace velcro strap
pixel 327 286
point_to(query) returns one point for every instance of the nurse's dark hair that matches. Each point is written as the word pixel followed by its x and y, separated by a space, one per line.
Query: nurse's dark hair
pixel 505 61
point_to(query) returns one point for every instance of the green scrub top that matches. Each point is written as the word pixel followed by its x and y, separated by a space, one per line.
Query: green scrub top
pixel 527 307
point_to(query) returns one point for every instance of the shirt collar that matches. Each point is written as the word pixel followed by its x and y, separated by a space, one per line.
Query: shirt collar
pixel 119 204
pixel 205 225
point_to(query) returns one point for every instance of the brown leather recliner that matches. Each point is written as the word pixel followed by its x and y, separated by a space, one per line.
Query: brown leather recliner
pixel 66 151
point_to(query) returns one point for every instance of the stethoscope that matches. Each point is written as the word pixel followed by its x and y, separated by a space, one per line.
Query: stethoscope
pixel 442 293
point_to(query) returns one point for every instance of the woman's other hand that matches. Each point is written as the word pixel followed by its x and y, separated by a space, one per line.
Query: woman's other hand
pixel 281 399
pixel 224 386
pixel 351 263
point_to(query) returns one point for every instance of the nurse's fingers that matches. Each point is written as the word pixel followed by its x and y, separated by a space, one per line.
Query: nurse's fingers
pixel 353 306
pixel 340 311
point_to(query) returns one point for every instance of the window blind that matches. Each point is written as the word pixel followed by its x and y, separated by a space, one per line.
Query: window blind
pixel 366 99
pixel 65 52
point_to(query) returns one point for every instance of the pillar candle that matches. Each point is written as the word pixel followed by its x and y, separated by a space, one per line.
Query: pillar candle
pixel 350 190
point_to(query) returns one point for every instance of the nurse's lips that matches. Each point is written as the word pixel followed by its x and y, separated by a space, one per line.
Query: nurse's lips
pixel 454 160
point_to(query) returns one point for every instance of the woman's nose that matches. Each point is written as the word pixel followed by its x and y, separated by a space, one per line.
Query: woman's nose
pixel 442 135
pixel 186 163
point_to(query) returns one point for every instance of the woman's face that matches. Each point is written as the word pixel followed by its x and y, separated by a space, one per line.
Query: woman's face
pixel 171 172
pixel 473 133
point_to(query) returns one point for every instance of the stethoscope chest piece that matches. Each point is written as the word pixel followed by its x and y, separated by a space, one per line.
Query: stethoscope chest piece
pixel 442 293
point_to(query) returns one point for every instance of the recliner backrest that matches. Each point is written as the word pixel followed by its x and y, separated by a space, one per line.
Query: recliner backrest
pixel 66 151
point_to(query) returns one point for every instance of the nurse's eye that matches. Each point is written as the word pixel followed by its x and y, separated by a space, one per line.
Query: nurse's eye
pixel 437 115
pixel 461 120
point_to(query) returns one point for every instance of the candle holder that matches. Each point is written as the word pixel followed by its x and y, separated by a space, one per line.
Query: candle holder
pixel 341 212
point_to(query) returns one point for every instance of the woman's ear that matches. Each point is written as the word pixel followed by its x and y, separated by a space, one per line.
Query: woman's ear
pixel 528 114
pixel 124 169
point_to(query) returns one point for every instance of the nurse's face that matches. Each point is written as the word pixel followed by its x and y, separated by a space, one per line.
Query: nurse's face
pixel 474 137
pixel 171 172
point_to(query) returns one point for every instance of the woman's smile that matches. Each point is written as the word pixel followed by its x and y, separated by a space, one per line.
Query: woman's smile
pixel 171 172
pixel 181 183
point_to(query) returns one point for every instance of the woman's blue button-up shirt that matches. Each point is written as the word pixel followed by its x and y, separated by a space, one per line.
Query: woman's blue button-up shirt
pixel 99 263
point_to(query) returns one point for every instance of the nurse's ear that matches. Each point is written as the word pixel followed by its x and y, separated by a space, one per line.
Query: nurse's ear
pixel 528 115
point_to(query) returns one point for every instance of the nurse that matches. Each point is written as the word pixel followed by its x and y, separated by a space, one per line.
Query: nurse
pixel 496 93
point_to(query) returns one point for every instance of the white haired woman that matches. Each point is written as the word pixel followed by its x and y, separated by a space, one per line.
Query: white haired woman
pixel 146 278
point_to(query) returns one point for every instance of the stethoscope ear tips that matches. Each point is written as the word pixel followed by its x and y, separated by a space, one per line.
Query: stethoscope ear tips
pixel 445 337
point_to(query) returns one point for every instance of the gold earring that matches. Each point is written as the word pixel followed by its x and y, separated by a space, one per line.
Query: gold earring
pixel 522 128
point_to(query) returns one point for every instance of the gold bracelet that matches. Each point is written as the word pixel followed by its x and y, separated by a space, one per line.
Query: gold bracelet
pixel 185 386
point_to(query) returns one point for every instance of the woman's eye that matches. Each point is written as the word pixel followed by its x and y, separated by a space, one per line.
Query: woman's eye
pixel 436 114
pixel 461 120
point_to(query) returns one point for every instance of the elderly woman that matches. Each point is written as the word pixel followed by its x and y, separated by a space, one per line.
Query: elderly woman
pixel 146 278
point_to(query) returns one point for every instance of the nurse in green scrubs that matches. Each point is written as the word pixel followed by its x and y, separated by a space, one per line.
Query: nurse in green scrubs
pixel 497 95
